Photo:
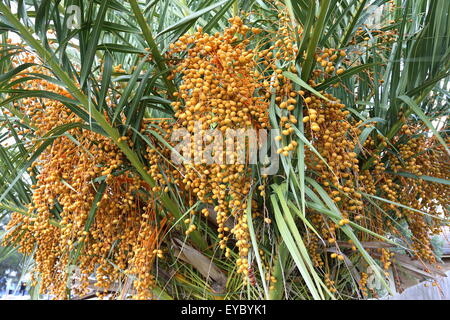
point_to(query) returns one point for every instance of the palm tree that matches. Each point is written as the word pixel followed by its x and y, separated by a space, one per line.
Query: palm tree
pixel 110 69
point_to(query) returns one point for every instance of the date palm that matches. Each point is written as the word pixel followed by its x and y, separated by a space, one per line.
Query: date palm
pixel 107 50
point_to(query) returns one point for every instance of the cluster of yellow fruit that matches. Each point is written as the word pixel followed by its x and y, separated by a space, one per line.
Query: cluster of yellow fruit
pixel 225 84
pixel 217 103
pixel 405 182
pixel 330 283
pixel 345 184
pixel 83 210
pixel 363 283
pixel 337 173
pixel 217 91
pixel 422 203
pixel 386 256
pixel 328 58
pixel 335 135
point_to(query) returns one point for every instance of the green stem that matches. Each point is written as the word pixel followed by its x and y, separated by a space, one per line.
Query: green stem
pixel 235 8
pixel 251 230
pixel 276 293
pixel 162 67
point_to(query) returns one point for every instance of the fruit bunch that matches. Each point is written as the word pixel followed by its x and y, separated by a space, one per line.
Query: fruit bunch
pixel 83 211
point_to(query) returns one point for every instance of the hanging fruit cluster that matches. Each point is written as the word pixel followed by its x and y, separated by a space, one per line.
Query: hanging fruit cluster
pixel 219 80
pixel 398 178
pixel 215 72
pixel 83 210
